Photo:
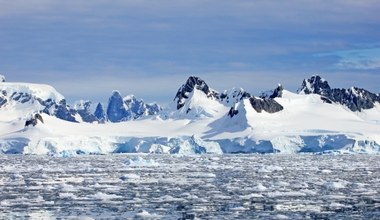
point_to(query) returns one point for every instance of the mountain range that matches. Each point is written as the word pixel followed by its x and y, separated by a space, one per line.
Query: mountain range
pixel 199 119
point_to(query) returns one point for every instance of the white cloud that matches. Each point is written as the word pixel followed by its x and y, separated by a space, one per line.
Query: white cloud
pixel 360 59
pixel 155 45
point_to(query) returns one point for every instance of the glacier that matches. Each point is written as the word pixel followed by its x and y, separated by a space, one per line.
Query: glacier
pixel 199 120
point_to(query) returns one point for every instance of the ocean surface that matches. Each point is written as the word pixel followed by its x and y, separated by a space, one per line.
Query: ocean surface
pixel 138 186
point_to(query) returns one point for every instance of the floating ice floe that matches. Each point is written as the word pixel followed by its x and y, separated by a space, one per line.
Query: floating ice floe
pixel 139 161
pixel 335 185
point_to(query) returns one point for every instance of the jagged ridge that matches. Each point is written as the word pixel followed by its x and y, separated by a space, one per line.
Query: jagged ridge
pixel 356 99
pixel 228 97
pixel 192 83
pixel 306 124
pixel 128 108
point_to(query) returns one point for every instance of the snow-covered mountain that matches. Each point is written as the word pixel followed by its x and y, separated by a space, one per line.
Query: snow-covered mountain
pixel 198 120
pixel 128 108
pixel 193 83
pixel 356 99
pixel 100 113
pixel 83 109
pixel 195 99
pixel 26 98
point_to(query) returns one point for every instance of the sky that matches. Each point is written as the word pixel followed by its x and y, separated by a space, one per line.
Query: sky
pixel 87 49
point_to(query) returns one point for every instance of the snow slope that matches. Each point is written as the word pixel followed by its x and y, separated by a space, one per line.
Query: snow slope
pixel 202 125
pixel 41 91
pixel 197 106
pixel 23 99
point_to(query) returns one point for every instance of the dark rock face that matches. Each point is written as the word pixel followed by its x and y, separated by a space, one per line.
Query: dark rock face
pixel 62 111
pixel 51 107
pixel 3 98
pixel 115 110
pixel 277 92
pixel 315 85
pixel 83 109
pixel 129 108
pixel 21 97
pixel 271 94
pixel 230 97
pixel 137 108
pixel 233 112
pixel 34 121
pixel 191 83
pixel 233 96
pixel 3 101
pixel 356 99
pixel 100 114
pixel 266 101
pixel 268 105
pixel 153 109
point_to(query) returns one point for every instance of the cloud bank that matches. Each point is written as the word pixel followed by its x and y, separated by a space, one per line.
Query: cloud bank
pixel 136 46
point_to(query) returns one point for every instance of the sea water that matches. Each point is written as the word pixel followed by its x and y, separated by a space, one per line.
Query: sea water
pixel 139 186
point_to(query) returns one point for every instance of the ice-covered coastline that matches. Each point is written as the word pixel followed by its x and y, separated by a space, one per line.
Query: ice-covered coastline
pixel 199 121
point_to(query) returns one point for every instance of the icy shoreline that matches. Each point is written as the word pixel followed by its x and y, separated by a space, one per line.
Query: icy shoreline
pixel 77 145
pixel 199 121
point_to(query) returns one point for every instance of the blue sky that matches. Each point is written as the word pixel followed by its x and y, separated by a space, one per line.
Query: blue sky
pixel 86 49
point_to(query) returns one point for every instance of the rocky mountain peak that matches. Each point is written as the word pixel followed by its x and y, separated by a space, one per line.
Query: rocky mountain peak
pixel 192 83
pixel 115 109
pixel 316 85
pixel 232 96
pixel 128 108
pixel 2 78
pixel 138 108
pixel 82 105
pixel 356 99
pixel 83 108
pixel 100 113
pixel 187 97
pixel 274 93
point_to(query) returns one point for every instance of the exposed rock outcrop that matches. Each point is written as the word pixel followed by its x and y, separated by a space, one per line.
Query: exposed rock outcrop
pixel 60 110
pixel 34 121
pixel 83 108
pixel 192 83
pixel 129 108
pixel 228 98
pixel 138 108
pixel 268 105
pixel 115 109
pixel 233 96
pixel 356 99
pixel 100 113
